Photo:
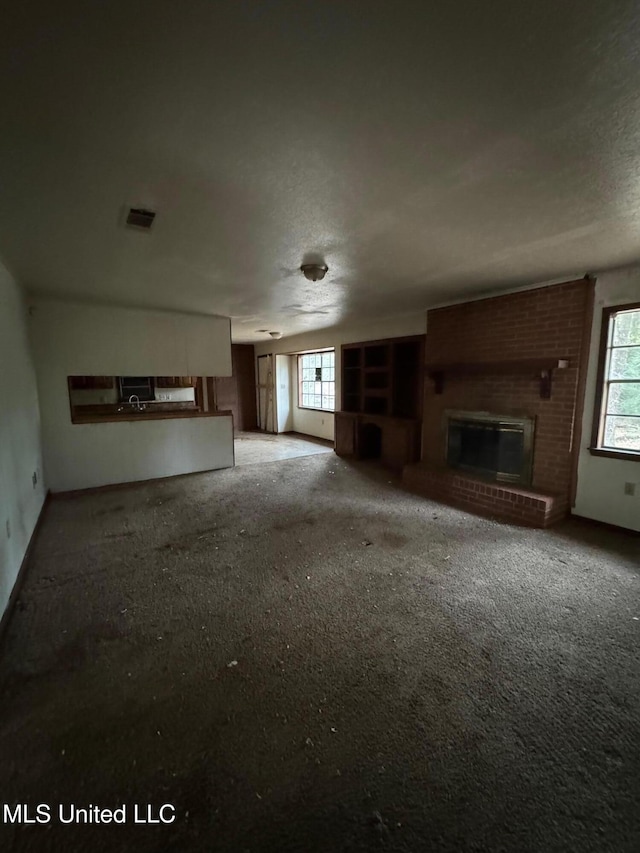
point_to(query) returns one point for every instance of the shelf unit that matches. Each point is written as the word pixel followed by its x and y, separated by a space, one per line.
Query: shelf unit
pixel 383 377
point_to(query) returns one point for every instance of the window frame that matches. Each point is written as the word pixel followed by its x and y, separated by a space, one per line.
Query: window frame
pixel 596 448
pixel 300 356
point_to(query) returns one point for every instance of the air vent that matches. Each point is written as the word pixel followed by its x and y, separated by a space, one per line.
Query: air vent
pixel 140 218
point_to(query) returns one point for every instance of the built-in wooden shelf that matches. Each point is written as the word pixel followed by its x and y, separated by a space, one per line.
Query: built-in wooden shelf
pixel 382 385
pixel 541 367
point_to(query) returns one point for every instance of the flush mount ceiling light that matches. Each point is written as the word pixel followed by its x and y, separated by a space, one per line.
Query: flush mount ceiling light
pixel 276 334
pixel 314 272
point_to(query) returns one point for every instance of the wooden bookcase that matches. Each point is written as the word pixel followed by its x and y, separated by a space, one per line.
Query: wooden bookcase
pixel 381 400
pixel 383 377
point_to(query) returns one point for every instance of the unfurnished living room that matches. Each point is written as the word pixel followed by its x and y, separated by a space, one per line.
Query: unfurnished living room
pixel 320 426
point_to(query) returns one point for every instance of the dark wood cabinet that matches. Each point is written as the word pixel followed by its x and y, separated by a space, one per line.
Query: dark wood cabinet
pixel 237 393
pixel 91 383
pixel 395 441
pixel 381 401
pixel 176 381
pixel 345 434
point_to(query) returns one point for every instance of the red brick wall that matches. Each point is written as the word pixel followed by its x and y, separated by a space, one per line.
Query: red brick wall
pixel 546 322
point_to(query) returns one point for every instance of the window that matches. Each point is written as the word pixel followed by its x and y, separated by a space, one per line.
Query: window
pixel 317 381
pixel 616 423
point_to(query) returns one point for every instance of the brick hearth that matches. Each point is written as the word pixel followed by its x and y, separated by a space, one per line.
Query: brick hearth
pixel 512 503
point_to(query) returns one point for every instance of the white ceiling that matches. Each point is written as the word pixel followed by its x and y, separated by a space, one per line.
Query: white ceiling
pixel 423 150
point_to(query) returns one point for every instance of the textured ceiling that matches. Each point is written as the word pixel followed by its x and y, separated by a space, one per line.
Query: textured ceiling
pixel 425 151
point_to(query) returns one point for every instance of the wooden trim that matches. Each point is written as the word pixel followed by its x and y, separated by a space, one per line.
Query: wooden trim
pixel 583 370
pixel 602 353
pixel 594 522
pixel 629 455
pixel 544 367
pixel 211 394
pixel 199 393
pixel 144 416
pixel 518 365
pixel 22 572
pixel 600 380
pixel 69 389
pixel 402 339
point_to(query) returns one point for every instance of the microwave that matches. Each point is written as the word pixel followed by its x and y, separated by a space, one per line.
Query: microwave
pixel 141 386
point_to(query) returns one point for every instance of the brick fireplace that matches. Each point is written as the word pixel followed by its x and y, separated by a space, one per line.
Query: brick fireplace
pixel 514 359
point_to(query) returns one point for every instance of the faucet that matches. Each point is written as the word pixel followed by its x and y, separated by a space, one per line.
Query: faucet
pixel 134 400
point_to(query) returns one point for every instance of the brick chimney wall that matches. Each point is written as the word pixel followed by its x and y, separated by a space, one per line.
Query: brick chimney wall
pixel 551 321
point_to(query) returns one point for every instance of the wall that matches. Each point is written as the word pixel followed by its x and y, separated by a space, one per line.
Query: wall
pixel 20 456
pixel 321 424
pixel 96 340
pixel 546 322
pixel 310 422
pixel 601 481
pixel 83 340
pixel 89 455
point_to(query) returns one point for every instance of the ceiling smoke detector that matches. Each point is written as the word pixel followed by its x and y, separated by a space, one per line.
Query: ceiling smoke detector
pixel 139 217
pixel 314 272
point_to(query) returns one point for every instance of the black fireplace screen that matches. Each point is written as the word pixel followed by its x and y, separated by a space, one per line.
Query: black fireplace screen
pixel 497 449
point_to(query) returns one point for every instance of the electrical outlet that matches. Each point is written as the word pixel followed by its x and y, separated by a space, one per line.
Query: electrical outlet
pixel 8 529
pixel 630 489
pixel 34 479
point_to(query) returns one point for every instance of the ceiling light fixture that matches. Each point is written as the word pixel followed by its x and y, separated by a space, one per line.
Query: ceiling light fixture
pixel 314 272
pixel 276 334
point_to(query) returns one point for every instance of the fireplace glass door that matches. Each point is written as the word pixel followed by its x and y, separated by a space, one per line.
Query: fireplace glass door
pixel 491 447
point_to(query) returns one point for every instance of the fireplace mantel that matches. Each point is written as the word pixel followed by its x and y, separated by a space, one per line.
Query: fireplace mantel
pixel 542 368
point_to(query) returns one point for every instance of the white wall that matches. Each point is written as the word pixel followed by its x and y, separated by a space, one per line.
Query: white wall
pixel 97 340
pixel 601 481
pixel 321 424
pixel 309 422
pixel 88 455
pixel 20 456
pixel 73 339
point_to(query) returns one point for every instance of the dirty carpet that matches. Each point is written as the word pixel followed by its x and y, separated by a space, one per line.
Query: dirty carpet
pixel 301 656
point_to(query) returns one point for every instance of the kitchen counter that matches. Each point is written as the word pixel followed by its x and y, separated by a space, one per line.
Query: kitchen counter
pixel 154 410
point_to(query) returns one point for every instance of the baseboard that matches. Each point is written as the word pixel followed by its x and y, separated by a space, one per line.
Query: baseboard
pixel 316 439
pixel 616 528
pixel 22 572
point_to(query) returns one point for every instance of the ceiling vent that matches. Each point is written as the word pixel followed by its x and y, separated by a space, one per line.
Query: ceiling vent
pixel 138 217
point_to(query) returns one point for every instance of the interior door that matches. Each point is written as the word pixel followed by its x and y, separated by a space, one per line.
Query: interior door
pixel 265 393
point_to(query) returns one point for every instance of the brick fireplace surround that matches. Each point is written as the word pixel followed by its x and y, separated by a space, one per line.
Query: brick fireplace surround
pixel 472 342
